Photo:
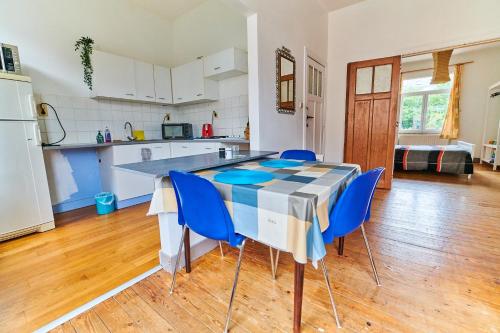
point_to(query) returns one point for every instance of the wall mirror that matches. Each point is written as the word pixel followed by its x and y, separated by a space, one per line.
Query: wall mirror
pixel 285 81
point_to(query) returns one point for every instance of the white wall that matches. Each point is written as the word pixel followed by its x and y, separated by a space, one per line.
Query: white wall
pixel 206 29
pixel 46 30
pixel 380 28
pixel 294 24
pixel 476 78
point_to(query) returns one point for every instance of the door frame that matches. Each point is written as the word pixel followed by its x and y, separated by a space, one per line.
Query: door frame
pixel 310 54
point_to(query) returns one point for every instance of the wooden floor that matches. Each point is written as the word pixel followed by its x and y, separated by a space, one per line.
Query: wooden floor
pixel 43 276
pixel 436 244
pixel 435 240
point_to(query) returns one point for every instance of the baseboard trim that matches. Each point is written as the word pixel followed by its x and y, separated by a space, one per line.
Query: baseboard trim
pixel 81 309
pixel 72 205
pixel 133 201
pixel 168 262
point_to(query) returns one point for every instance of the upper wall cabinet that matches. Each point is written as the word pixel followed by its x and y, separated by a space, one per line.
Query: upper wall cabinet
pixel 119 77
pixel 144 81
pixel 114 76
pixel 224 64
pixel 163 84
pixel 189 84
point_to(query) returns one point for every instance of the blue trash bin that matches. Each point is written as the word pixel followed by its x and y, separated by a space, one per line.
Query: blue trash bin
pixel 104 203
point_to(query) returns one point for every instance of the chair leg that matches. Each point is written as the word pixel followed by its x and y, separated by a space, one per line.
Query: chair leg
pixel 184 228
pixel 238 265
pixel 327 280
pixel 370 255
pixel 341 246
pixel 221 250
pixel 274 263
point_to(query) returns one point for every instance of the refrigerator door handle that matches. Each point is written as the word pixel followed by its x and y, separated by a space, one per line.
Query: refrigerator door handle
pixel 32 106
pixel 37 135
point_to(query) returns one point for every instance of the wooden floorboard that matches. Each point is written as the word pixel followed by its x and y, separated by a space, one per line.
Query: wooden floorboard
pixel 435 239
pixel 44 276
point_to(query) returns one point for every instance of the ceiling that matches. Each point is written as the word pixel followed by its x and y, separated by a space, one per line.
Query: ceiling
pixel 167 9
pixel 331 5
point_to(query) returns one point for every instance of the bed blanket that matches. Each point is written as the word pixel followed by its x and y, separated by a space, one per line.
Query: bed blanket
pixel 444 159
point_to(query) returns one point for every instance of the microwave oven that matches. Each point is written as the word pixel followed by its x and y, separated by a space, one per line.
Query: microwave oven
pixel 9 59
pixel 177 131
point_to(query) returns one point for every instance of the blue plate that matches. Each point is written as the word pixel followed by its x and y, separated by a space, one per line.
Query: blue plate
pixel 280 164
pixel 243 177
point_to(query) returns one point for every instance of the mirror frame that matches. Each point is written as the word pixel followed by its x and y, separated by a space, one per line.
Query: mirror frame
pixel 284 53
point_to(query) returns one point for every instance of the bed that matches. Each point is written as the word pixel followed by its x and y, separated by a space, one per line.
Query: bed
pixel 455 159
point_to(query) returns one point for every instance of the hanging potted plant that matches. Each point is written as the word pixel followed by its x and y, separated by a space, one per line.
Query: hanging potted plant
pixel 85 45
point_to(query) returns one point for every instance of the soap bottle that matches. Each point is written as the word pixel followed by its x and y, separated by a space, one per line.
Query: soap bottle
pixel 99 138
pixel 107 135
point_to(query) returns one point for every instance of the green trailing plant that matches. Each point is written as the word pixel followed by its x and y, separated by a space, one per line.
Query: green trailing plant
pixel 85 45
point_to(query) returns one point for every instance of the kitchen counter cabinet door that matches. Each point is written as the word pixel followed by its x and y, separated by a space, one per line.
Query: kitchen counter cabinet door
pixel 180 149
pixel 114 76
pixel 159 151
pixel 163 84
pixel 144 81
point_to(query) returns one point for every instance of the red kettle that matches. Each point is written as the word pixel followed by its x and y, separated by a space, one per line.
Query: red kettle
pixel 207 131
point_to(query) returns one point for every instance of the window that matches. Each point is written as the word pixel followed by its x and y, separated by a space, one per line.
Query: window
pixel 423 105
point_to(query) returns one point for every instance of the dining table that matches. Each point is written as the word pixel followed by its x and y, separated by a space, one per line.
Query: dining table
pixel 288 212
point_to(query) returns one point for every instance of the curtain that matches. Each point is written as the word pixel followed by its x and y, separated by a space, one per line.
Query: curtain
pixel 451 121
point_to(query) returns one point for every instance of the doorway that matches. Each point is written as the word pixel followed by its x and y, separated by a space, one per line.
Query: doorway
pixel 314 105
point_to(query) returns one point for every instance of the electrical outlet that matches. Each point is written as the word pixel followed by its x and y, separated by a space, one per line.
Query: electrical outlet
pixel 167 117
pixel 42 111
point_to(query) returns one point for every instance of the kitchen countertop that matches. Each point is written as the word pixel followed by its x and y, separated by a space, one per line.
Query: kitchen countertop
pixel 161 168
pixel 119 143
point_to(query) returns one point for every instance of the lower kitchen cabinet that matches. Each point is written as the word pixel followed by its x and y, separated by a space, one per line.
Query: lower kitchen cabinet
pixel 180 149
pixel 130 188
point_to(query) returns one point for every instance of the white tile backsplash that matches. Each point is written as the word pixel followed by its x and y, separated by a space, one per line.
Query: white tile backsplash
pixel 83 117
pixel 232 115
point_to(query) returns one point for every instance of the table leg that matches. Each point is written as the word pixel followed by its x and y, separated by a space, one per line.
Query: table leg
pixel 187 251
pixel 341 246
pixel 297 296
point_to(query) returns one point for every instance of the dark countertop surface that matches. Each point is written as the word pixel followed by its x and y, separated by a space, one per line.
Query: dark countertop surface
pixel 161 168
pixel 119 143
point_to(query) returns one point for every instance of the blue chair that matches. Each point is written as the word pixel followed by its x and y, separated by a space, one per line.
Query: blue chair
pixel 202 209
pixel 348 215
pixel 367 218
pixel 297 154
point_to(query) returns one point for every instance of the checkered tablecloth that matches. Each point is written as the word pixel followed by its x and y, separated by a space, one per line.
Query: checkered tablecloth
pixel 288 213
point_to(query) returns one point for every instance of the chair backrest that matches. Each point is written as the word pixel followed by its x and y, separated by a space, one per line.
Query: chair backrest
pixel 297 154
pixel 201 207
pixel 352 207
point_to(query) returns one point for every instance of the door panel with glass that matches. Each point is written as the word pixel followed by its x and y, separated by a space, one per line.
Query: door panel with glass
pixel 372 96
pixel 314 107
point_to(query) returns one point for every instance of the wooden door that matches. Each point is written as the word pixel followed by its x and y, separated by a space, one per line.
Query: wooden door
pixel 371 115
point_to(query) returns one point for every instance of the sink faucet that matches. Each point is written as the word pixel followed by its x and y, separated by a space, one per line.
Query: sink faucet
pixel 131 137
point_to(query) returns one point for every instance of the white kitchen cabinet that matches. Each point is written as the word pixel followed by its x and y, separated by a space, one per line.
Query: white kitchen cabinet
pixel 114 76
pixel 144 81
pixel 225 64
pixel 163 84
pixel 189 84
pixel 124 184
pixel 159 151
pixel 180 149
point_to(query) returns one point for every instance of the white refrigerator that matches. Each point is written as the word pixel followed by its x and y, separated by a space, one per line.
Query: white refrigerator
pixel 25 205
